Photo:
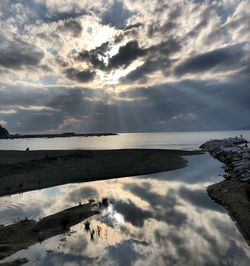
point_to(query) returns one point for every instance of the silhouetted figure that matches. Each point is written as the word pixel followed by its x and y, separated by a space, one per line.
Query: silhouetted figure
pixel 241 135
pixel 87 225
pixel 246 146
pixel 92 233
pixel 28 149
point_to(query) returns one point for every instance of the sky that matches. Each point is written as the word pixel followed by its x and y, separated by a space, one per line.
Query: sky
pixel 124 65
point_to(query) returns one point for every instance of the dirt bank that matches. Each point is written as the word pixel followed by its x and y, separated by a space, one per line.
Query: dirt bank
pixel 22 171
pixel 234 196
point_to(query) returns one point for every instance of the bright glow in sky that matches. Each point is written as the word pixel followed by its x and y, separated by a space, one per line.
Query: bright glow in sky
pixel 176 65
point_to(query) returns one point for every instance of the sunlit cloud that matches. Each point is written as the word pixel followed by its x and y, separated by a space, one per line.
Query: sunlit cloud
pixel 117 46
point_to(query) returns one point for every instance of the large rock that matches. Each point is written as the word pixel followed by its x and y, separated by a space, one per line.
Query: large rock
pixel 4 134
pixel 233 153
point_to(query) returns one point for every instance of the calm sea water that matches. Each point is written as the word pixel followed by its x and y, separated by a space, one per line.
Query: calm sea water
pixel 171 140
pixel 159 219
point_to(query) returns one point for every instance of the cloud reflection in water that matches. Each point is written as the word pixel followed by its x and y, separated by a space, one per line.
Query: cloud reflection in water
pixel 161 219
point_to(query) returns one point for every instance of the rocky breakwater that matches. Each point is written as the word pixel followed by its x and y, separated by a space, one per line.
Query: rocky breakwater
pixel 234 192
pixel 234 153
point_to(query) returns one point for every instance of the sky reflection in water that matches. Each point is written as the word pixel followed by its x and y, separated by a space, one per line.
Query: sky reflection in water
pixel 160 219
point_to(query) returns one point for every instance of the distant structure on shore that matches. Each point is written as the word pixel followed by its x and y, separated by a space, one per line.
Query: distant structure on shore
pixel 4 134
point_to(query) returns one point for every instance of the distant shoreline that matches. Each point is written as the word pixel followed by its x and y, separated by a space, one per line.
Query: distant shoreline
pixel 61 135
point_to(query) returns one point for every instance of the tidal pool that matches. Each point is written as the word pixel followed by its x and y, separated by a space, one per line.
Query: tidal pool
pixel 158 219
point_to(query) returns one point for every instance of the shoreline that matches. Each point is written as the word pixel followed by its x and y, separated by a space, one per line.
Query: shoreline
pixel 234 196
pixel 233 193
pixel 22 171
pixel 62 135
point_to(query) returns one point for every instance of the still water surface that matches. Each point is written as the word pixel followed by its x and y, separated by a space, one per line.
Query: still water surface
pixel 171 140
pixel 157 219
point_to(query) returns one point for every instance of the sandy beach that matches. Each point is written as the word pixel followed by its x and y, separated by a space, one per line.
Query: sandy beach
pixel 25 171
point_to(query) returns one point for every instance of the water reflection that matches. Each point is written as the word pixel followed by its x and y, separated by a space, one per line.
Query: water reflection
pixel 161 219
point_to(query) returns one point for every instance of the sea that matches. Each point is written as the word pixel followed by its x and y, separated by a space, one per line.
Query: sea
pixel 165 218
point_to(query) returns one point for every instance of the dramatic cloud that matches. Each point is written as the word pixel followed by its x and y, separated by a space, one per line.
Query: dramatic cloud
pixel 126 55
pixel 17 53
pixel 158 58
pixel 81 76
pixel 132 213
pixel 221 59
pixel 145 66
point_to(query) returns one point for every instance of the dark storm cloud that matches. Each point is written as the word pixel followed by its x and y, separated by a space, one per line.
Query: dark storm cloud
pixel 164 206
pixel 17 53
pixel 168 104
pixel 57 105
pixel 157 58
pixel 132 213
pixel 40 120
pixel 72 26
pixel 81 76
pixel 116 15
pixel 67 101
pixel 20 96
pixel 93 55
pixel 221 59
pixel 126 55
pixel 84 194
pixel 184 105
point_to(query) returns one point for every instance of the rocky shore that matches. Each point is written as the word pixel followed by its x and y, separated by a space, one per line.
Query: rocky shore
pixel 234 153
pixel 234 192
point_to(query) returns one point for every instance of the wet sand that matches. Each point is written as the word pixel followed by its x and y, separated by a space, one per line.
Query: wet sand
pixel 234 196
pixel 22 171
